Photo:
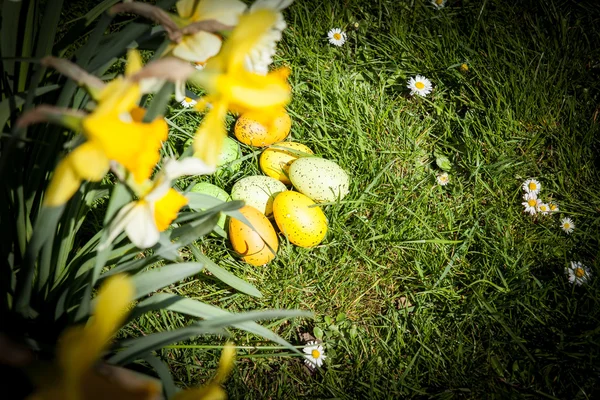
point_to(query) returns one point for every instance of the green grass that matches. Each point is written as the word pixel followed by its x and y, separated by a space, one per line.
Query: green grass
pixel 421 290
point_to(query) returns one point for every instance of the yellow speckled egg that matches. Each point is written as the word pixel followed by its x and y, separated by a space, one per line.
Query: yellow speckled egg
pixel 304 226
pixel 249 129
pixel 249 243
pixel 275 161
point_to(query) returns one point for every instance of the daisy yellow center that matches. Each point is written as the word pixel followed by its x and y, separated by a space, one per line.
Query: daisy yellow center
pixel 579 272
pixel 420 85
pixel 543 208
pixel 532 202
pixel 532 186
pixel 337 36
pixel 315 353
pixel 566 225
pixel 188 100
pixel 439 2
pixel 553 207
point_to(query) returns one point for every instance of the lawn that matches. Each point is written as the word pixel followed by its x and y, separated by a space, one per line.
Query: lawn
pixel 422 290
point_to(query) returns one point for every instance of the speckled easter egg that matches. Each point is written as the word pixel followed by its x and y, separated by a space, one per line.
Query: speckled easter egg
pixel 249 243
pixel 249 130
pixel 320 179
pixel 258 191
pixel 229 155
pixel 214 191
pixel 275 161
pixel 303 225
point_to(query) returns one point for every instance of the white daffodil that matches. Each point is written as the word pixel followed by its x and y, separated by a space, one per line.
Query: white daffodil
pixel 443 179
pixel 578 273
pixel 314 354
pixel 531 202
pixel 419 85
pixel 567 225
pixel 532 186
pixel 336 37
pixel 157 205
pixel 261 55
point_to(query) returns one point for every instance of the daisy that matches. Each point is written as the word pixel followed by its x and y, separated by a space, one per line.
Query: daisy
pixel 443 179
pixel 188 102
pixel 314 354
pixel 553 207
pixel 567 225
pixel 438 3
pixel 531 202
pixel 419 85
pixel 532 186
pixel 543 208
pixel 578 273
pixel 336 36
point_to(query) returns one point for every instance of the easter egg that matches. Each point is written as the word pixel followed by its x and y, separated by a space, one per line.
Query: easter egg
pixel 320 179
pixel 251 131
pixel 275 161
pixel 228 156
pixel 258 191
pixel 303 225
pixel 249 243
pixel 214 191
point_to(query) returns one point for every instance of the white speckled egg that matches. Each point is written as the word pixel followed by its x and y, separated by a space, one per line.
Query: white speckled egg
pixel 258 191
pixel 320 179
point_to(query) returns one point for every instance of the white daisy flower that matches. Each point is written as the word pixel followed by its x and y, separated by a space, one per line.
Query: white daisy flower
pixel 578 273
pixel 336 36
pixel 439 3
pixel 532 186
pixel 314 354
pixel 419 85
pixel 567 225
pixel 531 202
pixel 188 102
pixel 553 206
pixel 543 208
pixel 443 179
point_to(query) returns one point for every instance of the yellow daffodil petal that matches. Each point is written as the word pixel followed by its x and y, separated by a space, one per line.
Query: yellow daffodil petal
pixel 252 91
pixel 209 138
pixel 134 145
pixel 244 37
pixel 198 47
pixel 166 209
pixel 80 347
pixel 134 62
pixel 185 8
pixel 225 363
pixel 119 96
pixel 86 162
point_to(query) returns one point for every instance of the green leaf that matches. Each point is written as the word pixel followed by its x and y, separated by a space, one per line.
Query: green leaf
pixel 10 104
pixel 153 280
pixel 145 344
pixel 443 162
pixel 163 372
pixel 224 275
pixel 193 230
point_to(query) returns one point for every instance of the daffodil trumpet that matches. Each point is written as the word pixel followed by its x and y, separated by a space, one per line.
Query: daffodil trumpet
pixel 157 205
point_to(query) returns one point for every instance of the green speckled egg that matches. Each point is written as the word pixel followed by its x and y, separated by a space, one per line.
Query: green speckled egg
pixel 214 191
pixel 228 159
pixel 304 226
pixel 258 191
pixel 320 179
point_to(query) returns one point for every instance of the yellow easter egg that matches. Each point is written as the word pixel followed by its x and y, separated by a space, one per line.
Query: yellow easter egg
pixel 275 161
pixel 250 129
pixel 304 226
pixel 252 244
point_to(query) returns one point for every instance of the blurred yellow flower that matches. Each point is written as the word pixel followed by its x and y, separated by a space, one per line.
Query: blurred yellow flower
pixel 213 390
pixel 114 131
pixel 80 347
pixel 202 45
pixel 231 87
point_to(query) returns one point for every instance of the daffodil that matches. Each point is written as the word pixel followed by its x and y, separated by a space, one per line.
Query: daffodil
pixel 157 205
pixel 114 131
pixel 231 87
pixel 202 45
pixel 213 390
pixel 80 347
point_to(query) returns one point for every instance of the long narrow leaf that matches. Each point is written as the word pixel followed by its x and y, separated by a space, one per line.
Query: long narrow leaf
pixel 163 372
pixel 153 280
